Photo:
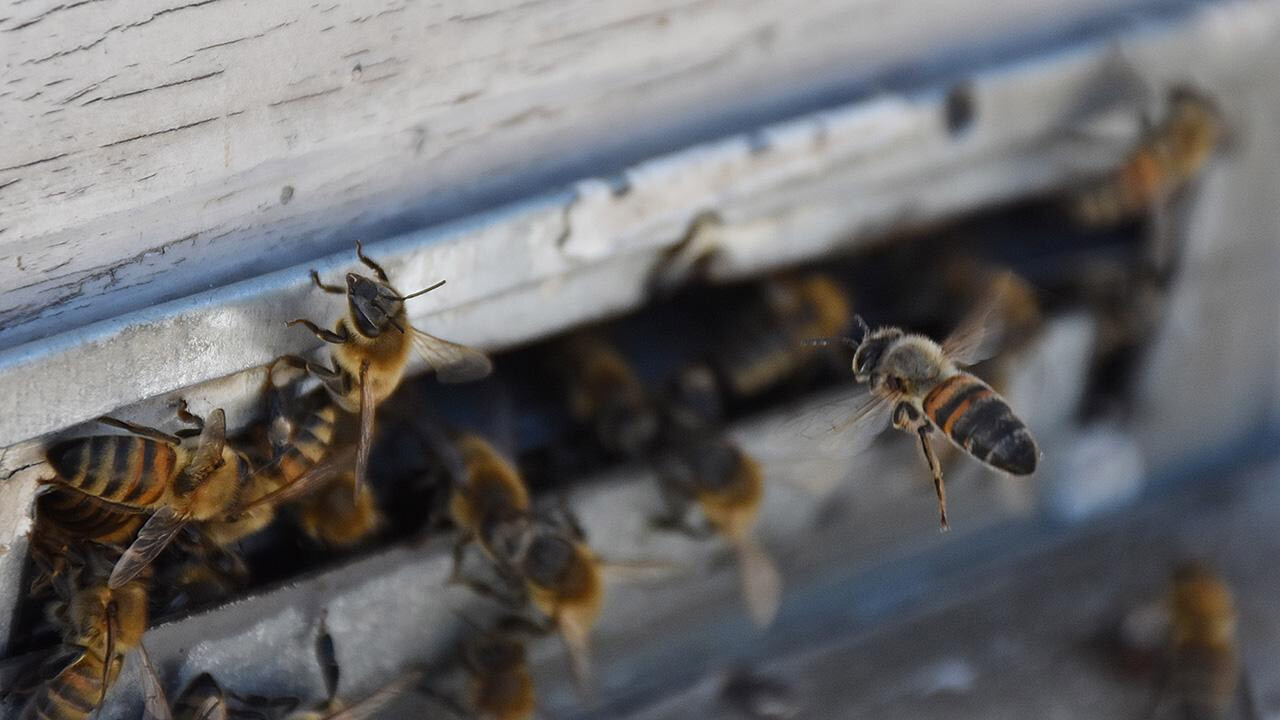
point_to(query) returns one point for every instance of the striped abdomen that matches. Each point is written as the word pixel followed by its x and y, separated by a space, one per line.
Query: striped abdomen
pixel 73 515
pixel 72 694
pixel 308 446
pixel 124 469
pixel 977 419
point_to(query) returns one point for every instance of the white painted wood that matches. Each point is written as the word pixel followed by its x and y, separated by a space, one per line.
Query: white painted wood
pixel 154 148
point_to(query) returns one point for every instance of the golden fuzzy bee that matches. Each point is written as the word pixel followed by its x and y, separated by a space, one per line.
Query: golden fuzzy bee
pixel 921 387
pixel 102 625
pixel 606 394
pixel 1203 675
pixel 1166 159
pixel 372 344
pixel 764 344
pixel 546 564
pixel 699 465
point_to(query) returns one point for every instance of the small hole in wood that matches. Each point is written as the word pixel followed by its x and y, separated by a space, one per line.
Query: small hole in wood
pixel 286 194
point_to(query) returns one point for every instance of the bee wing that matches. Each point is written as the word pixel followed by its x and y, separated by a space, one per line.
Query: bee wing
pixel 979 335
pixel 364 445
pixel 453 363
pixel 761 581
pixel 576 632
pixel 213 708
pixel 208 454
pixel 369 707
pixel 155 705
pixel 153 537
pixel 320 474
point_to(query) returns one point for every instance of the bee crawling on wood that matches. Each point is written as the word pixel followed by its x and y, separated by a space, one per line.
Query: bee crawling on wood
pixel 921 387
pixel 371 349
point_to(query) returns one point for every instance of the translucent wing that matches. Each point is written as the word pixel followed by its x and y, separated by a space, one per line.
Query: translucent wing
pixel 761 581
pixel 979 335
pixel 847 423
pixel 576 631
pixel 152 538
pixel 453 363
pixel 318 476
pixel 155 705
pixel 370 706
pixel 365 443
pixel 208 454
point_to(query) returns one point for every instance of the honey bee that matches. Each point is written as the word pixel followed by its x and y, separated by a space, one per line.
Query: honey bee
pixel 605 393
pixel 1165 161
pixel 1203 674
pixel 150 470
pixel 65 519
pixel 1164 164
pixel 102 625
pixel 547 564
pixel 920 386
pixel 700 465
pixel 764 344
pixel 371 349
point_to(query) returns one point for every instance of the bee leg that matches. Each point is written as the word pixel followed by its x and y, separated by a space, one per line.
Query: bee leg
pixel 143 430
pixel 935 469
pixel 375 267
pixel 459 551
pixel 329 336
pixel 333 379
pixel 332 289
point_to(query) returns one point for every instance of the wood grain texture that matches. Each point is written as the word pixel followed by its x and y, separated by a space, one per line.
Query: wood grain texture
pixel 155 148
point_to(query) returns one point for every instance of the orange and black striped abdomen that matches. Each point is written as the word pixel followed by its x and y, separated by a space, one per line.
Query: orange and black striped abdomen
pixel 310 444
pixel 72 694
pixel 977 419
pixel 123 469
pixel 74 515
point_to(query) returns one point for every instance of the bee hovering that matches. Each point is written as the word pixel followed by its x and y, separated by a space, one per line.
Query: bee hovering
pixel 919 385
pixel 371 350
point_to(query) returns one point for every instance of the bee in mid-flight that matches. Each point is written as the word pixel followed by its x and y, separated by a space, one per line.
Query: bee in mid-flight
pixel 1202 674
pixel 698 464
pixel 545 564
pixel 921 386
pixel 372 344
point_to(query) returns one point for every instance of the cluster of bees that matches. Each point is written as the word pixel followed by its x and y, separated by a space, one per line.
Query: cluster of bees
pixel 116 502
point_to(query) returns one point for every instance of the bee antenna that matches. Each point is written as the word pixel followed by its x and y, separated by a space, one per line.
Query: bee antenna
pixel 423 291
pixel 861 327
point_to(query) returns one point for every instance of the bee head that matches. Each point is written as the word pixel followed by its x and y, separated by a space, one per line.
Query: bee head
pixel 549 557
pixel 374 305
pixel 866 359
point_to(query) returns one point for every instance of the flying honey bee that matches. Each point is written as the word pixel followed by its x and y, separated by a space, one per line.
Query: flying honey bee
pixel 920 386
pixel 1203 676
pixel 1165 160
pixel 763 345
pixel 1159 170
pixel 372 342
pixel 700 465
pixel 102 625
pixel 606 394
pixel 547 564
pixel 150 470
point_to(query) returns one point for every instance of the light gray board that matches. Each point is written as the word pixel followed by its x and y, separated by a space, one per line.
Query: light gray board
pixel 1013 636
pixel 820 182
pixel 159 147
